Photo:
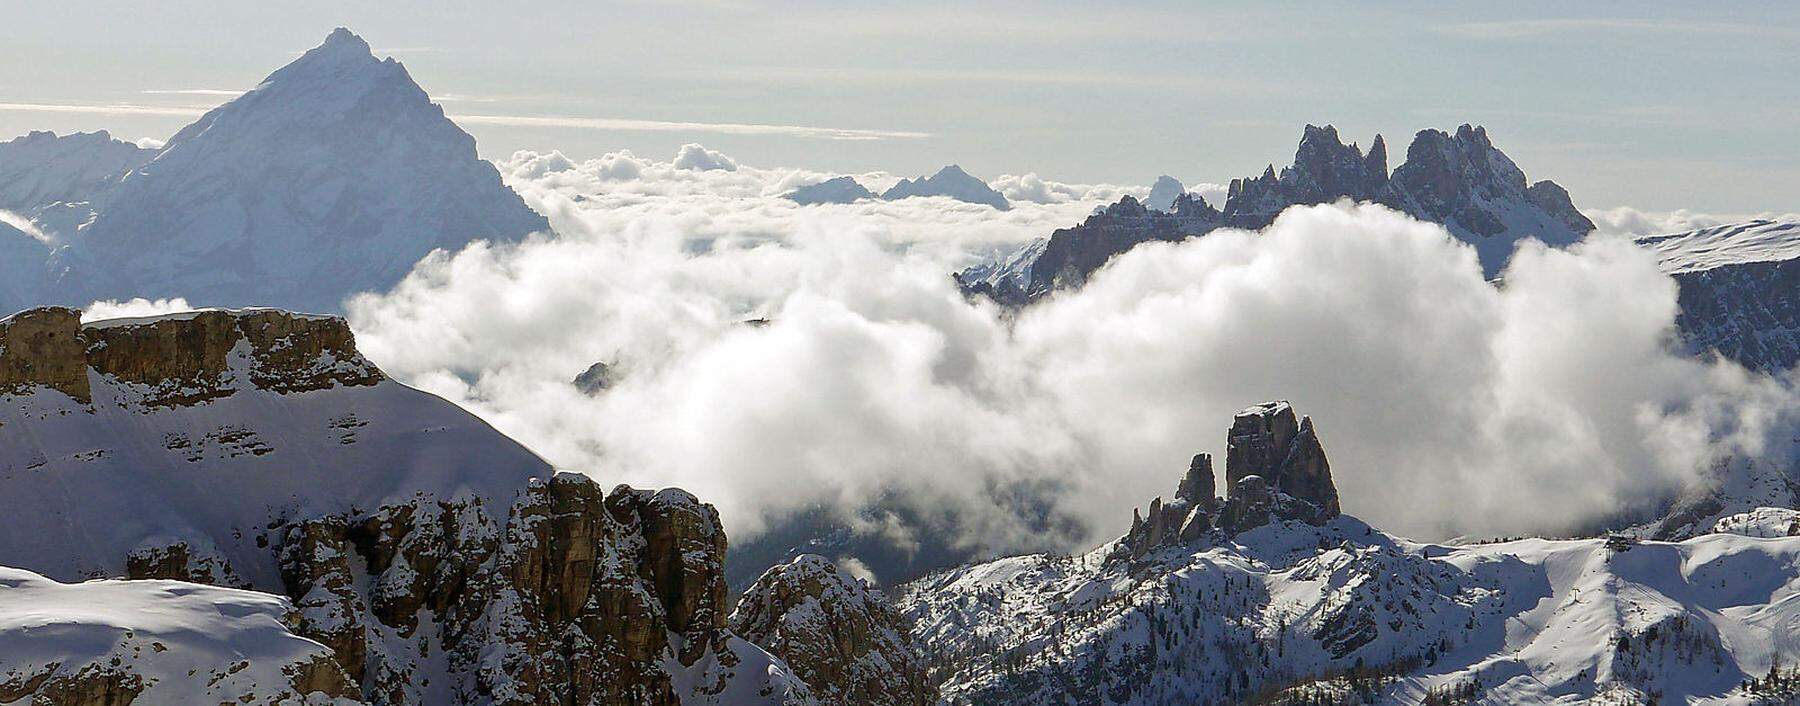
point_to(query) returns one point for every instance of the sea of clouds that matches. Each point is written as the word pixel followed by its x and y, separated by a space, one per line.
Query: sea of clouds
pixel 1448 405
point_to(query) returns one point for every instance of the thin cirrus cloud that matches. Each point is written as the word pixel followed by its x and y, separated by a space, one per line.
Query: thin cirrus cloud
pixel 624 124
pixel 1523 29
pixel 191 92
pixel 105 109
pixel 573 122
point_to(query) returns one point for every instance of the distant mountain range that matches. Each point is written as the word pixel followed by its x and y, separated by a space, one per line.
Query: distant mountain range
pixel 951 182
pixel 1460 180
pixel 334 175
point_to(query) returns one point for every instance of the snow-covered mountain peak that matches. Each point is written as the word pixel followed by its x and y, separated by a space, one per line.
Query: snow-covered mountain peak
pixel 323 85
pixel 949 181
pixel 41 168
pixel 1164 192
pixel 300 192
pixel 341 48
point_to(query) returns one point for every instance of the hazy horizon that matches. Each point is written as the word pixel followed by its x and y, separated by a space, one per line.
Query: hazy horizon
pixel 1650 107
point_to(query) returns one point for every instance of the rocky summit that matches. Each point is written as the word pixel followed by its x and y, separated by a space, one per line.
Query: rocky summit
pixel 1460 180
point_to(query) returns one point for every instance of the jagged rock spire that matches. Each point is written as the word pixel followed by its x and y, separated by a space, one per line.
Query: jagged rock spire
pixel 1267 440
pixel 1275 468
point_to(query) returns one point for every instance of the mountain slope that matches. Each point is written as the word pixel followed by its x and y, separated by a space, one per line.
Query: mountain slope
pixel 836 632
pixel 1197 605
pixel 156 642
pixel 439 561
pixel 332 176
pixel 42 168
pixel 1739 290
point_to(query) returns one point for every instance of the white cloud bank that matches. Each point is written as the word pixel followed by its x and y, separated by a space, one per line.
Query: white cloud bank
pixel 1447 405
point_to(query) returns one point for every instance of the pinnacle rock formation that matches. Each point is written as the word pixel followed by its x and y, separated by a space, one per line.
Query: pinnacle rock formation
pixel 1275 468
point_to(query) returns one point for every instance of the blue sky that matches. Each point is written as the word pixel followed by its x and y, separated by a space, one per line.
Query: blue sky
pixel 1655 105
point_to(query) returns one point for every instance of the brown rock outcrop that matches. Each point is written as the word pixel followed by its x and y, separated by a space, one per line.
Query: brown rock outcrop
pixel 1266 440
pixel 44 348
pixel 837 633
pixel 180 359
pixel 577 597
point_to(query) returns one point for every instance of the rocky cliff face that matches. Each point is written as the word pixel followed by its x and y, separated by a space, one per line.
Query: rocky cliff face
pixel 574 596
pixel 835 633
pixel 439 562
pixel 1460 180
pixel 1466 183
pixel 1324 170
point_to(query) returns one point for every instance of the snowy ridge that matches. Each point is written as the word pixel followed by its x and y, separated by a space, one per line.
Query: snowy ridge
pixel 1737 290
pixel 42 168
pixel 1719 246
pixel 951 181
pixel 157 642
pixel 1533 621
